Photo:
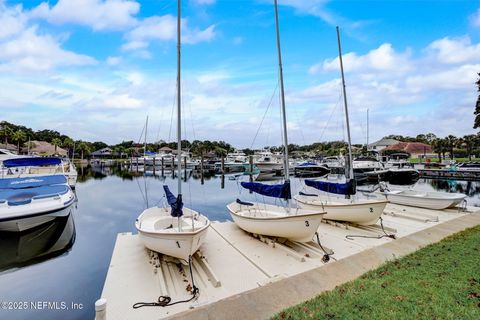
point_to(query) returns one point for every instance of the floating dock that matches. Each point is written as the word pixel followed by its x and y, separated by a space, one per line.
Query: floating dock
pixel 245 277
pixel 468 175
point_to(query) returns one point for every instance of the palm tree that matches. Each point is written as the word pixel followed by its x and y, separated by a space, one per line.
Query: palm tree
pixel 6 132
pixel 451 142
pixel 68 144
pixel 437 145
pixel 84 148
pixel 19 136
pixel 469 142
pixel 56 142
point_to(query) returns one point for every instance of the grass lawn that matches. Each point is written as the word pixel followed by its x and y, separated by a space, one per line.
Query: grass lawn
pixel 441 281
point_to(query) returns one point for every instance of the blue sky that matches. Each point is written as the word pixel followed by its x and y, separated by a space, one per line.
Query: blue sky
pixel 94 69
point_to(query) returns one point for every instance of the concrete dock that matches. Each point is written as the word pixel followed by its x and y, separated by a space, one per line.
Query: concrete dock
pixel 246 277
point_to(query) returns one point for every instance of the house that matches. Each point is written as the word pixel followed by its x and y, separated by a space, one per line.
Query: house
pixel 165 150
pixel 102 153
pixel 381 144
pixel 45 148
pixel 415 149
pixel 8 146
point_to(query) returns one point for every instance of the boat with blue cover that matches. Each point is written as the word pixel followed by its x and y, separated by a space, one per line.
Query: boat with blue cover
pixel 29 202
pixel 22 167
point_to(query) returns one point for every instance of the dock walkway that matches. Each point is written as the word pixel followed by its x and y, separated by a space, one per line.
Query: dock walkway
pixel 243 277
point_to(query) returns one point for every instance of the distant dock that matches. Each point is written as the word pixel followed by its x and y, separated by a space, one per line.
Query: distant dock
pixel 246 277
pixel 468 175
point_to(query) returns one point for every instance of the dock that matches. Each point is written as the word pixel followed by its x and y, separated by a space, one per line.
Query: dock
pixel 468 175
pixel 242 276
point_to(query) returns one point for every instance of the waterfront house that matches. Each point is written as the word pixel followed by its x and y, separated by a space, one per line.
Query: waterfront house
pixel 381 144
pixel 415 149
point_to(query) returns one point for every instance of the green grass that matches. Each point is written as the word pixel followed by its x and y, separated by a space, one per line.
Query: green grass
pixel 441 281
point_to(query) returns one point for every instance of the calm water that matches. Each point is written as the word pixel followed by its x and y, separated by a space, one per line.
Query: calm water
pixel 66 261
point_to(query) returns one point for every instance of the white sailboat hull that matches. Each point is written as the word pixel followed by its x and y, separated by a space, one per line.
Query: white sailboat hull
pixel 429 200
pixel 269 220
pixel 362 212
pixel 160 232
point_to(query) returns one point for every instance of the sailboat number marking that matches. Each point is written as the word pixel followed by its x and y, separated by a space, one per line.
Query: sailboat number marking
pixel 371 209
pixel 307 224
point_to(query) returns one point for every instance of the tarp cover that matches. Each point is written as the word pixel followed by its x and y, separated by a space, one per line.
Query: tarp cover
pixel 346 188
pixel 20 197
pixel 175 203
pixel 275 190
pixel 32 182
pixel 33 161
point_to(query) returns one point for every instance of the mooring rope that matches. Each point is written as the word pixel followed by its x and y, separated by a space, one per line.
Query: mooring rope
pixel 380 236
pixel 326 256
pixel 165 301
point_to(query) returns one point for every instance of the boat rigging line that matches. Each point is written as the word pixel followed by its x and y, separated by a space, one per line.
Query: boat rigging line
pixel 264 115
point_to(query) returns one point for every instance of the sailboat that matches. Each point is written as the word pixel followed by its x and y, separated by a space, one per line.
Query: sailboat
pixel 175 231
pixel 362 212
pixel 271 220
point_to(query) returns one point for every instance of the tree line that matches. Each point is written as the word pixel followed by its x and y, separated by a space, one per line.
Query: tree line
pixel 465 146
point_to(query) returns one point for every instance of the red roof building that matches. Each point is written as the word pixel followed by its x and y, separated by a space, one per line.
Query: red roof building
pixel 414 148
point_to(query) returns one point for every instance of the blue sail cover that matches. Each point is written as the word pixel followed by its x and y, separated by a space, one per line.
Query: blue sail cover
pixel 347 188
pixel 175 203
pixel 32 182
pixel 33 161
pixel 276 190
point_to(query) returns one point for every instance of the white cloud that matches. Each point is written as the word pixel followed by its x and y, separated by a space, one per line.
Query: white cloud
pixel 32 51
pixel 134 45
pixel 113 61
pixel 111 102
pixel 475 19
pixel 456 50
pixel 383 58
pixel 204 2
pixel 164 28
pixel 24 48
pixel 97 14
pixel 12 20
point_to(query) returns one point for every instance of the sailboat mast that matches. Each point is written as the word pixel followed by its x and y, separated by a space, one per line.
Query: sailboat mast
pixel 145 139
pixel 282 97
pixel 367 129
pixel 349 165
pixel 179 106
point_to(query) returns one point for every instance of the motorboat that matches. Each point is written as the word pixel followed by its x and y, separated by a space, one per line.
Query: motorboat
pixel 367 168
pixel 22 167
pixel 7 154
pixel 267 162
pixel 29 202
pixel 400 170
pixel 310 169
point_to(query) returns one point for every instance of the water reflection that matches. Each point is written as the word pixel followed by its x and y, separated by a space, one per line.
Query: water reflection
pixel 49 240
